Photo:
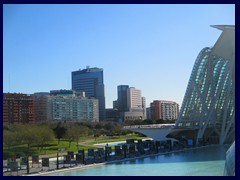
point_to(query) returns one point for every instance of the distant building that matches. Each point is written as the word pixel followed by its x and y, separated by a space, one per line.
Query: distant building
pixel 122 101
pixel 144 108
pixel 40 100
pixel 64 92
pixel 134 99
pixel 90 80
pixel 148 111
pixel 165 110
pixel 115 104
pixel 112 115
pixel 68 105
pixel 130 103
pixel 132 115
pixel 18 108
pixel 65 105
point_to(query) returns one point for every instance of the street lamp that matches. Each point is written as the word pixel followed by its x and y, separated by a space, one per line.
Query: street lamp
pixel 61 150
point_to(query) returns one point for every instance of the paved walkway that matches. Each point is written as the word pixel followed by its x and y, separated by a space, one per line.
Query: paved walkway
pixel 37 168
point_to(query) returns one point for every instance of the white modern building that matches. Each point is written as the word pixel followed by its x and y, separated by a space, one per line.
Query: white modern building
pixel 209 101
pixel 65 105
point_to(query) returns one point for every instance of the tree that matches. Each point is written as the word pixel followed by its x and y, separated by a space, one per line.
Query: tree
pixel 10 138
pixel 117 129
pixel 149 121
pixel 99 125
pixel 74 132
pixel 59 131
pixel 160 121
pixel 133 122
pixel 79 131
pixel 44 135
pixel 69 136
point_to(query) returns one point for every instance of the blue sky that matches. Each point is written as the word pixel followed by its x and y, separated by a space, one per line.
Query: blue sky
pixel 149 47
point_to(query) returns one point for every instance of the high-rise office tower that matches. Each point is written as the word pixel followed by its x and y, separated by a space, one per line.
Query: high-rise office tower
pixel 90 80
pixel 122 98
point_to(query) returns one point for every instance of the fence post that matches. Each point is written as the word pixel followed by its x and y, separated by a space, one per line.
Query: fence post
pixel 57 162
pixel 27 165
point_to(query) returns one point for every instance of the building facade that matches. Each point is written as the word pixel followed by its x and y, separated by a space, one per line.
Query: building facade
pixel 122 100
pixel 131 115
pixel 148 112
pixel 130 103
pixel 68 105
pixel 65 105
pixel 165 110
pixel 90 80
pixel 144 108
pixel 40 101
pixel 113 115
pixel 18 108
pixel 134 99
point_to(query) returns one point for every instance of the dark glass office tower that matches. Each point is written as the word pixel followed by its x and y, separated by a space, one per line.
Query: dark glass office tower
pixel 122 98
pixel 90 80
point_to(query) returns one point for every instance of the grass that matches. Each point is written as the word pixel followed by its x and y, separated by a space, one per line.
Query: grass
pixel 116 138
pixel 52 148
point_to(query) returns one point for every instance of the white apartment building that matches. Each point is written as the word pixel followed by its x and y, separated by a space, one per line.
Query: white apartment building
pixel 63 108
pixel 65 105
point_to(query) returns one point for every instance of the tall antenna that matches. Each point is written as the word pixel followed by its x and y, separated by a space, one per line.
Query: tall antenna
pixel 69 82
pixel 9 85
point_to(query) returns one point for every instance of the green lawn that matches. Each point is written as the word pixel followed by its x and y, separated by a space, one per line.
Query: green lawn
pixel 116 138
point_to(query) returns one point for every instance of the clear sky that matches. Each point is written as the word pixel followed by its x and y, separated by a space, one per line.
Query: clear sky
pixel 149 47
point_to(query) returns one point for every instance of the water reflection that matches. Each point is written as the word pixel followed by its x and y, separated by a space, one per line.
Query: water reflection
pixel 206 161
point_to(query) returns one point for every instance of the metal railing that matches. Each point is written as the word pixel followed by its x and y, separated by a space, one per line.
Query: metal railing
pixel 163 126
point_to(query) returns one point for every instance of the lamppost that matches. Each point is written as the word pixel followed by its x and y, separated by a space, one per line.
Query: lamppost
pixel 57 161
pixel 61 151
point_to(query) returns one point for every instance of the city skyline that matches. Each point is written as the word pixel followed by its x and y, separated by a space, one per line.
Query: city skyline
pixel 150 47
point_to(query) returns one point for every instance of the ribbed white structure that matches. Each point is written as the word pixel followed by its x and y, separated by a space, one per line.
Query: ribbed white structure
pixel 208 109
pixel 209 101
